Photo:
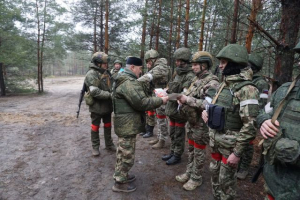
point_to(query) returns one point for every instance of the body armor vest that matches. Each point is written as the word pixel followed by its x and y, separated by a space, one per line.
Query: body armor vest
pixel 233 120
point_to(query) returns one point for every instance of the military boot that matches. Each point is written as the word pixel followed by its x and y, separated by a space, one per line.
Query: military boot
pixel 183 178
pixel 145 131
pixel 191 184
pixel 149 132
pixel 159 145
pixel 167 157
pixel 152 142
pixel 109 145
pixel 95 143
pixel 173 160
pixel 123 187
pixel 130 178
pixel 242 174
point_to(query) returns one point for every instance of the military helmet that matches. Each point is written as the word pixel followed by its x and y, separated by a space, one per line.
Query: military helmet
pixel 182 54
pixel 151 54
pixel 202 57
pixel 256 60
pixel 297 48
pixel 100 57
pixel 118 61
pixel 235 53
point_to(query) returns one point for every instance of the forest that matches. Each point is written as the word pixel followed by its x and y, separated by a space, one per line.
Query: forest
pixel 47 38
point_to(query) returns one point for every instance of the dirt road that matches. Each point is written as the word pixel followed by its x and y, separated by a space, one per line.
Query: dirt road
pixel 46 154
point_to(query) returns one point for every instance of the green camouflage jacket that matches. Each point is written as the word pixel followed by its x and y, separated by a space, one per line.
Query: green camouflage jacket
pixel 263 88
pixel 101 79
pixel 282 162
pixel 159 75
pixel 114 73
pixel 181 83
pixel 199 95
pixel 246 98
pixel 130 103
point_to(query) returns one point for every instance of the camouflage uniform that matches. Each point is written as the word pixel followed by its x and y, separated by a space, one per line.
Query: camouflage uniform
pixel 130 102
pixel 182 80
pixel 157 77
pixel 114 72
pixel 240 100
pixel 98 98
pixel 262 85
pixel 281 153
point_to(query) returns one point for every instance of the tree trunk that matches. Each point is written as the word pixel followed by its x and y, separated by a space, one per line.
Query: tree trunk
pixel 289 28
pixel 42 49
pixel 38 46
pixel 144 32
pixel 178 25
pixel 101 25
pixel 234 24
pixel 152 26
pixel 106 27
pixel 157 27
pixel 171 32
pixel 2 83
pixel 227 30
pixel 212 31
pixel 256 5
pixel 187 19
pixel 95 30
pixel 202 26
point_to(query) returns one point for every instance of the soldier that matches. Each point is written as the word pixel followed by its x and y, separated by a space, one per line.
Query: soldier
pixel 158 77
pixel 256 63
pixel 279 125
pixel 117 66
pixel 181 83
pixel 98 81
pixel 231 120
pixel 130 102
pixel 193 102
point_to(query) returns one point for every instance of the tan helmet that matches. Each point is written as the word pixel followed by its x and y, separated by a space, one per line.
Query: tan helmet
pixel 202 57
pixel 100 57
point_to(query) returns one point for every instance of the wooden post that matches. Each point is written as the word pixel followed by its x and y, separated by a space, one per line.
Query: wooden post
pixel 2 85
pixel 202 26
pixel 234 24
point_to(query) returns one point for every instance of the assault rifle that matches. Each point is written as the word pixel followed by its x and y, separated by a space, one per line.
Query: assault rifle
pixel 83 90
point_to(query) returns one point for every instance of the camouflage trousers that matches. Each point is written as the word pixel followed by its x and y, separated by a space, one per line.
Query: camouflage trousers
pixel 96 120
pixel 177 135
pixel 223 177
pixel 125 157
pixel 162 123
pixel 198 139
pixel 150 118
pixel 246 158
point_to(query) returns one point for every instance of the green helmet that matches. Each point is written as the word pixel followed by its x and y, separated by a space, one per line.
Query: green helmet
pixel 297 48
pixel 182 54
pixel 202 57
pixel 256 60
pixel 151 54
pixel 100 57
pixel 235 53
pixel 118 61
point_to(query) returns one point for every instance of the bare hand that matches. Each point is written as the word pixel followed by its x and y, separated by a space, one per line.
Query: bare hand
pixel 165 99
pixel 233 160
pixel 179 103
pixel 182 99
pixel 205 116
pixel 268 129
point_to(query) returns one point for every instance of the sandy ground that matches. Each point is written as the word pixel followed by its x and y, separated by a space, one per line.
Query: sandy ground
pixel 46 154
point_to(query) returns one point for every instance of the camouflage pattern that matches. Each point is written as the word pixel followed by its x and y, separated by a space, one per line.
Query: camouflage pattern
pixel 282 165
pixel 100 57
pixel 96 120
pixel 182 54
pixel 162 123
pixel 125 157
pixel 150 119
pixel 229 141
pixel 181 82
pixel 151 54
pixel 202 57
pixel 204 85
pixel 235 53
pixel 101 79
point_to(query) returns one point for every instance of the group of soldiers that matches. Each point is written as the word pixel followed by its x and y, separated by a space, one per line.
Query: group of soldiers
pixel 225 115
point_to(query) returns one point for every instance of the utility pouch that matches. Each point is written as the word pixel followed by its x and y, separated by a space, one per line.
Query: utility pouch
pixel 227 141
pixel 89 100
pixel 216 117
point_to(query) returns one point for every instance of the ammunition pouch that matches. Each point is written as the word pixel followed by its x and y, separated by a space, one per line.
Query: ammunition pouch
pixel 287 150
pixel 216 117
pixel 89 100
